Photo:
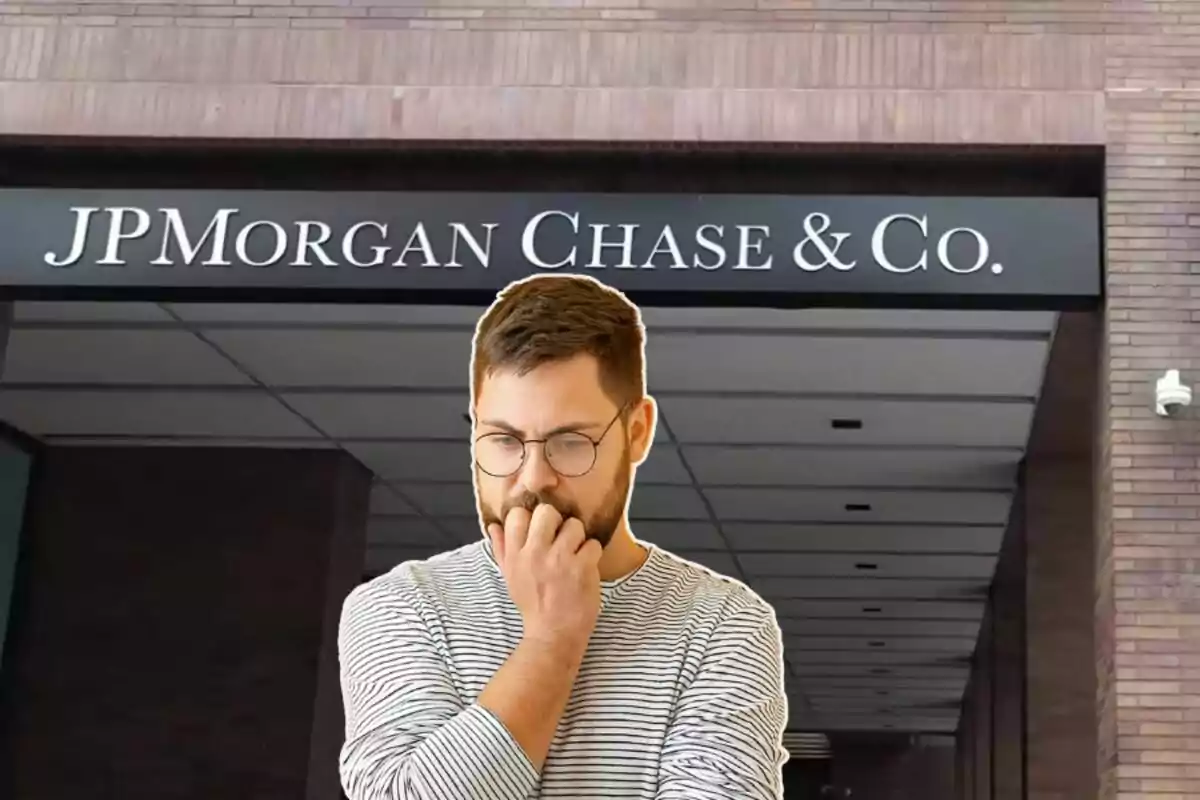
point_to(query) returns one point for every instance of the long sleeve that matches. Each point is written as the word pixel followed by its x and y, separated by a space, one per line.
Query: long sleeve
pixel 409 736
pixel 726 740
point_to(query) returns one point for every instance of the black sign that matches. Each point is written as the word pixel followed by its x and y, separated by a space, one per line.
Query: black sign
pixel 644 244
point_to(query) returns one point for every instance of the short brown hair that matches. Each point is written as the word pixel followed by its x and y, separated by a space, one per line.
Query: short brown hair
pixel 555 318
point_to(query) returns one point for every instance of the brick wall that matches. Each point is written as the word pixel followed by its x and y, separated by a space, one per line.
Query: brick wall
pixel 611 15
pixel 691 70
pixel 916 16
pixel 1149 589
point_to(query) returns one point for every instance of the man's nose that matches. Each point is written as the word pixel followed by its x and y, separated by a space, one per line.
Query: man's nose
pixel 536 473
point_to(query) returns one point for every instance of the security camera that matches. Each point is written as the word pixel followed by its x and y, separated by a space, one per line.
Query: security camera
pixel 1170 395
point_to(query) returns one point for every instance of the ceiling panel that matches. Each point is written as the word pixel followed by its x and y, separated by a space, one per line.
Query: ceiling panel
pixel 331 314
pixel 170 357
pixel 898 722
pixel 968 628
pixel 809 319
pixel 825 505
pixel 869 588
pixel 156 414
pixel 886 609
pixel 892 422
pixel 884 707
pixel 818 674
pixel 383 559
pixel 675 536
pixel 930 648
pixel 876 702
pixel 464 528
pixel 899 694
pixel 879 656
pixel 853 467
pixel 87 311
pixel 877 565
pixel 201 440
pixel 400 461
pixel 451 461
pixel 852 538
pixel 667 502
pixel 846 319
pixel 825 365
pixel 652 502
pixel 827 685
pixel 404 532
pixel 438 499
pixel 672 535
pixel 346 415
pixel 378 415
pixel 662 465
pixel 386 500
pixel 895 382
pixel 719 562
pixel 351 358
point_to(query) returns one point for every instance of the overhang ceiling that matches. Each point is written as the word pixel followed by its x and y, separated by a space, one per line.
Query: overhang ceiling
pixel 854 467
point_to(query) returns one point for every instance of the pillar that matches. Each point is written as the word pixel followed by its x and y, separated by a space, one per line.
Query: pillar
pixel 1007 630
pixel 15 462
pixel 174 634
pixel 1060 654
pixel 1059 508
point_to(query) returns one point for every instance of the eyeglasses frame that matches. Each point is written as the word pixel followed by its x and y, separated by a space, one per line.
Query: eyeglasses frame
pixel 526 442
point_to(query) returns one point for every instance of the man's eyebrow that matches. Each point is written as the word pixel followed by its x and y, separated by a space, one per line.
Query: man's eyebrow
pixel 502 425
pixel 573 427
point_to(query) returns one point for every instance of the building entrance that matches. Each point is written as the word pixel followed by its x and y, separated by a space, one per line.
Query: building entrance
pixel 862 465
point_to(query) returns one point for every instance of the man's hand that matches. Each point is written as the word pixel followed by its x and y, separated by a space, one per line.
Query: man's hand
pixel 553 576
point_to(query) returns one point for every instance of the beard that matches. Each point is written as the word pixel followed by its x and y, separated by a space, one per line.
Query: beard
pixel 600 525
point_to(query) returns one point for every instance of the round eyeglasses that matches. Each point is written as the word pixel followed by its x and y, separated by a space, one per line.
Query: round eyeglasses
pixel 569 453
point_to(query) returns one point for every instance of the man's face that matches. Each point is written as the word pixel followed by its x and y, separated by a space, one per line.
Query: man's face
pixel 559 397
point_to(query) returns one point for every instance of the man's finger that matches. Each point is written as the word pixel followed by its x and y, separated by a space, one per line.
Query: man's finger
pixel 543 527
pixel 516 529
pixel 591 551
pixel 571 536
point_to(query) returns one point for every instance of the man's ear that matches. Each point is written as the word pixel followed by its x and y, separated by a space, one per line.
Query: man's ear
pixel 643 418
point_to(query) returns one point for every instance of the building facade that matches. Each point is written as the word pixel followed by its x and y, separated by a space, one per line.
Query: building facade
pixel 1107 658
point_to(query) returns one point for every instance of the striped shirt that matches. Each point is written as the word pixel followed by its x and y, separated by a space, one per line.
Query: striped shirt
pixel 680 695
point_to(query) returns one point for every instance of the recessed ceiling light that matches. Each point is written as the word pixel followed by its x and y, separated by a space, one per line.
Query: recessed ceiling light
pixel 858 506
pixel 846 424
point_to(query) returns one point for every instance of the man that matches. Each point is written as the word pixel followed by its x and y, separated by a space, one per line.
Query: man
pixel 560 657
